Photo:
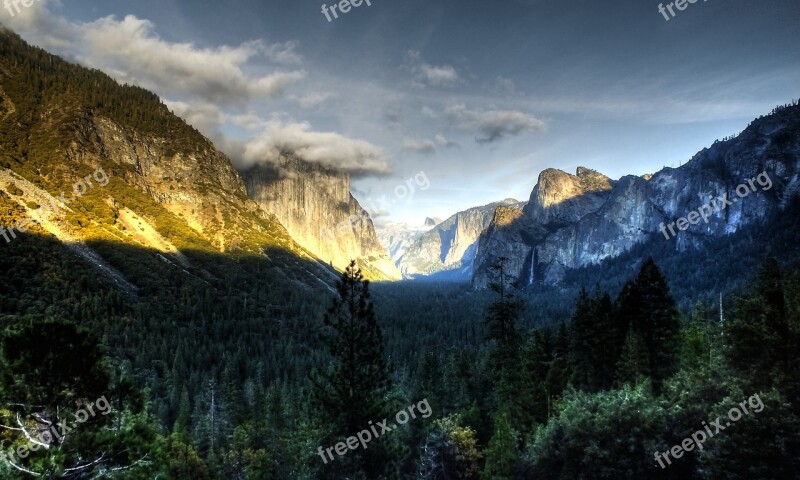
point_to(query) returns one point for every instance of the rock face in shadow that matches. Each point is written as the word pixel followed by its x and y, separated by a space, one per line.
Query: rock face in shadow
pixel 316 207
pixel 575 220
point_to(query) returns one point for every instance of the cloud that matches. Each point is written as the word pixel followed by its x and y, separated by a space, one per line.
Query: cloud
pixel 493 125
pixel 393 119
pixel 426 146
pixel 425 74
pixel 428 112
pixel 442 141
pixel 419 146
pixel 376 214
pixel 131 51
pixel 356 157
pixel 311 100
pixel 203 116
pixel 504 85
pixel 284 53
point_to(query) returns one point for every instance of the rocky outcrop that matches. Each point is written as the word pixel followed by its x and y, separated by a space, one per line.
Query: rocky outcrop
pixel 197 184
pixel 315 205
pixel 451 244
pixel 576 220
pixel 166 189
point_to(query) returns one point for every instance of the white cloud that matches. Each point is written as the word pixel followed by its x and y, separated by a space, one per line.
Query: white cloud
pixel 425 146
pixel 441 140
pixel 131 51
pixel 284 53
pixel 428 112
pixel 493 125
pixel 419 146
pixel 311 100
pixel 203 116
pixel 425 74
pixel 505 85
pixel 357 157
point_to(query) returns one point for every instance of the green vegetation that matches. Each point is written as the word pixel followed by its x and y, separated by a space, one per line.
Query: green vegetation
pixel 241 365
pixel 351 392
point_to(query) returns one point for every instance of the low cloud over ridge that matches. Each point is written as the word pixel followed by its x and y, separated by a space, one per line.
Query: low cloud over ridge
pixel 357 157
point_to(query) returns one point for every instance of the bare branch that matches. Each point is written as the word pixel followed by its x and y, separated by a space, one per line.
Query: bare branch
pixel 25 470
pixel 28 435
pixel 85 466
pixel 41 419
pixel 112 471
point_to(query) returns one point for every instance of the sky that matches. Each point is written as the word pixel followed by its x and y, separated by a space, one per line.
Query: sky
pixel 436 106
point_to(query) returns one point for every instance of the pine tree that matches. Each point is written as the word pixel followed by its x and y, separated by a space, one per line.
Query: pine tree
pixel 502 456
pixel 503 313
pixel 632 366
pixel 352 391
pixel 611 337
pixel 596 341
pixel 535 365
pixel 648 307
pixel 581 342
pixel 430 382
pixel 761 343
pixel 560 371
pixel 212 421
pixel 504 360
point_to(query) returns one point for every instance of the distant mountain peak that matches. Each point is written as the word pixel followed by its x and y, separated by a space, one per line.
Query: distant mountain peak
pixel 314 203
pixel 556 187
pixel 577 220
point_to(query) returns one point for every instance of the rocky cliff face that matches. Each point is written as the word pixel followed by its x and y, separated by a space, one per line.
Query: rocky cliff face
pixel 451 244
pixel 398 237
pixel 168 190
pixel 199 185
pixel 575 220
pixel 315 205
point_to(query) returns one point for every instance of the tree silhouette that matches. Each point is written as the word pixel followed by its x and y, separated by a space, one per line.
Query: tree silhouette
pixel 351 391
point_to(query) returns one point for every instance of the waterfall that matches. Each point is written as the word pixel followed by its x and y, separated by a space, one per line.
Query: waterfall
pixel 533 262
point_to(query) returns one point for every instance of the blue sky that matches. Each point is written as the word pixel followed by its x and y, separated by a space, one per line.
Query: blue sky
pixel 480 96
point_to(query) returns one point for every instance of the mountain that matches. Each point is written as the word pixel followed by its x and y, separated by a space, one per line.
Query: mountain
pixel 432 222
pixel 315 205
pixel 451 244
pixel 166 188
pixel 573 221
pixel 397 237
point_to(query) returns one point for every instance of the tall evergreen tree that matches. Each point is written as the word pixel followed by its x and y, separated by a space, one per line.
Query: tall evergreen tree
pixel 633 362
pixel 535 365
pixel 501 332
pixel 560 371
pixel 761 344
pixel 352 391
pixel 596 341
pixel 582 342
pixel 503 313
pixel 502 455
pixel 646 304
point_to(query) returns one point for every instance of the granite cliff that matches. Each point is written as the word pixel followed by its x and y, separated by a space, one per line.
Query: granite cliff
pixel 315 205
pixel 575 220
pixel 450 245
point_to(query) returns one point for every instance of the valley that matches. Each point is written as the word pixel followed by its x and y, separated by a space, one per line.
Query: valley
pixel 245 308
